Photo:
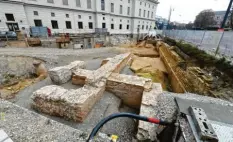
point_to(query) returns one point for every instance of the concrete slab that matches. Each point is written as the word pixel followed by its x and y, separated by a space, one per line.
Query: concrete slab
pixel 158 110
pixel 4 137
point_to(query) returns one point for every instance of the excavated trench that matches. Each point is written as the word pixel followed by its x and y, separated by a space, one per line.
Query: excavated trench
pixel 154 60
pixel 203 74
pixel 19 84
pixel 146 63
pixel 16 73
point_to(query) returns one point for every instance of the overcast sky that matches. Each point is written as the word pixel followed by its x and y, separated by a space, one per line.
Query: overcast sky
pixel 186 10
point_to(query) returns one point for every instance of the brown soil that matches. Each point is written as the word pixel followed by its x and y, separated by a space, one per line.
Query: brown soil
pixel 147 63
pixel 9 91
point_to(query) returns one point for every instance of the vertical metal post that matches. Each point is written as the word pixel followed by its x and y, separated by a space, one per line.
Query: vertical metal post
pixel 216 52
pixel 226 15
pixel 6 38
pixel 202 38
pixel 138 31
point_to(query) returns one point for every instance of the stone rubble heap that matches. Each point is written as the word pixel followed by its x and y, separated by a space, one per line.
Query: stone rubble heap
pixel 119 39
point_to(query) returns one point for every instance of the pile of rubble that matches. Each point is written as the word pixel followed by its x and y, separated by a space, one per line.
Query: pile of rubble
pixel 119 39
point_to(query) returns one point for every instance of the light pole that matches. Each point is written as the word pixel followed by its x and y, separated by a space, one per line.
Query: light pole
pixel 169 17
pixel 226 15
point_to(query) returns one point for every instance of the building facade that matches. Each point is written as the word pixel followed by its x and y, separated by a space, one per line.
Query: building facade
pixel 219 17
pixel 79 16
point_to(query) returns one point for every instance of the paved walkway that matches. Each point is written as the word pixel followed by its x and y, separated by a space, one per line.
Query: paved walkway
pixel 52 51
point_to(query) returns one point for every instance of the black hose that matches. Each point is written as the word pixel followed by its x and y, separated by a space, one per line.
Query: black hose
pixel 134 116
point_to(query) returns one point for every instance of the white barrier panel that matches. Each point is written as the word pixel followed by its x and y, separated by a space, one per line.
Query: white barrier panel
pixel 206 40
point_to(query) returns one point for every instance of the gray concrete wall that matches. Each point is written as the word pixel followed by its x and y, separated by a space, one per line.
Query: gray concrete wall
pixel 206 40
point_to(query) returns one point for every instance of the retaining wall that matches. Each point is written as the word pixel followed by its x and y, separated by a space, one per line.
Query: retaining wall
pixel 171 63
pixel 190 79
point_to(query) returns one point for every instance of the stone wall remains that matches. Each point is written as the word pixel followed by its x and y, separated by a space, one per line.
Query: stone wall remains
pixel 128 88
pixel 76 104
pixel 191 79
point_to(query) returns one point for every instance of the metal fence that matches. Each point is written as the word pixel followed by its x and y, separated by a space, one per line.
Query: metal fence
pixel 209 41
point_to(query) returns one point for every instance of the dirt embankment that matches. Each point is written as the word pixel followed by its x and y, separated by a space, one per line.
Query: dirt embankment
pixel 203 73
pixel 16 73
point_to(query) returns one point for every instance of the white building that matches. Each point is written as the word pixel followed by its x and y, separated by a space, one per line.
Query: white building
pixel 219 17
pixel 79 16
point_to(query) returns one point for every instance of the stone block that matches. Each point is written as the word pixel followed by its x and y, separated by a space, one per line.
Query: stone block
pixel 128 88
pixel 115 65
pixel 71 104
pixel 73 66
pixel 80 75
pixel 61 75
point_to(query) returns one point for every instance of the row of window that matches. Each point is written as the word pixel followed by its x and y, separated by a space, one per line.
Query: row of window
pixel 78 3
pixel 120 26
pixel 121 9
pixel 143 27
pixel 148 4
pixel 53 15
pixel 144 14
pixel 54 23
pixel 67 16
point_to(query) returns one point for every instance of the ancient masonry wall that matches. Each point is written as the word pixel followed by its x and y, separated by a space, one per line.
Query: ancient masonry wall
pixel 193 79
pixel 147 131
pixel 71 104
pixel 128 88
pixel 170 64
pixel 76 104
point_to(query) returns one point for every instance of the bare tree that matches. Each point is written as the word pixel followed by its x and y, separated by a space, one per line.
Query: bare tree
pixel 189 25
pixel 205 19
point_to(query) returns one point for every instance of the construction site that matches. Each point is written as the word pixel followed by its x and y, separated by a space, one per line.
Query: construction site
pixel 157 89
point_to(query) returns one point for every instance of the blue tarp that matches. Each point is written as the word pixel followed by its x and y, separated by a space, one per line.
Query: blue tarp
pixel 39 31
